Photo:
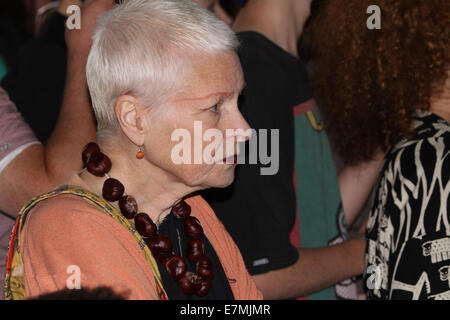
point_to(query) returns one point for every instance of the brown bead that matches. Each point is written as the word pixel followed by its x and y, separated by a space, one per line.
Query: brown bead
pixel 194 256
pixel 88 150
pixel 205 273
pixel 98 164
pixel 196 244
pixel 204 262
pixel 161 256
pixel 181 210
pixel 176 266
pixel 128 206
pixel 144 225
pixel 196 249
pixel 204 287
pixel 160 243
pixel 113 189
pixel 189 283
pixel 193 228
pixel 190 220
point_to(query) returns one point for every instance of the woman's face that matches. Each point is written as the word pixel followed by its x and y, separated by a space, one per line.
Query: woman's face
pixel 207 103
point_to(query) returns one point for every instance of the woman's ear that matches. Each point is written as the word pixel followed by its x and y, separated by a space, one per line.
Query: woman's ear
pixel 130 115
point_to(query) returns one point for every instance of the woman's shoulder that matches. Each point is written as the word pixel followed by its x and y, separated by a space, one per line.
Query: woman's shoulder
pixel 66 230
pixel 53 207
pixel 65 214
pixel 427 149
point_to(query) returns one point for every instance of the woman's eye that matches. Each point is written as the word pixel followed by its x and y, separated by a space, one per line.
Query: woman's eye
pixel 213 109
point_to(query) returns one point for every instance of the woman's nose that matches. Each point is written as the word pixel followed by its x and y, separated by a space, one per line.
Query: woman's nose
pixel 242 128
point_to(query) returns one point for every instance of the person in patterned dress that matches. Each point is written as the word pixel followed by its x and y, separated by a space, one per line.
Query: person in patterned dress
pixel 386 88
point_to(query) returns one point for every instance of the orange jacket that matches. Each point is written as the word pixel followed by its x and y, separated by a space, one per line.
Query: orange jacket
pixel 66 231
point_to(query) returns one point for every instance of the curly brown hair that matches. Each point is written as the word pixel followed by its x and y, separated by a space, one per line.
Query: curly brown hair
pixel 369 83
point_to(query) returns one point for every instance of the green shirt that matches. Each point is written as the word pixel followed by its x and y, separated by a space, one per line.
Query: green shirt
pixel 317 188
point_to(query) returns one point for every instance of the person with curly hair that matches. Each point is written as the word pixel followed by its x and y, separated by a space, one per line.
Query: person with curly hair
pixel 387 91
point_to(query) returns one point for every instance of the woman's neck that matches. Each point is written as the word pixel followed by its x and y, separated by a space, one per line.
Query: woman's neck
pixel 154 189
pixel 440 104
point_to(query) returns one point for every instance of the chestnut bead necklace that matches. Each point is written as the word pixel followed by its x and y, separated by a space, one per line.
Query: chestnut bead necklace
pixel 199 283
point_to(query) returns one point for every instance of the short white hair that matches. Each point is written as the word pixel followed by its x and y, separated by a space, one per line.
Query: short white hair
pixel 141 46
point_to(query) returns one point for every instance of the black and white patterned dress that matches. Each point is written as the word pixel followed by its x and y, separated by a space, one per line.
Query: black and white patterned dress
pixel 408 232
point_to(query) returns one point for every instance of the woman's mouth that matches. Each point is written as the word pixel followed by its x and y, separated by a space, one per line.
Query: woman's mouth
pixel 230 160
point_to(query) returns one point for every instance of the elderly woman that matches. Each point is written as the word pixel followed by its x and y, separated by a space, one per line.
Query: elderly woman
pixel 131 220
pixel 389 90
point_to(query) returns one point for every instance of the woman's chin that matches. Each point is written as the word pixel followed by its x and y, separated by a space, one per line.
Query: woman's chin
pixel 223 181
pixel 220 177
